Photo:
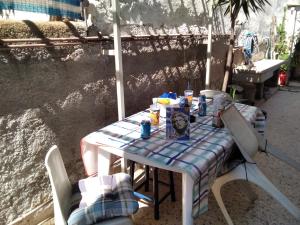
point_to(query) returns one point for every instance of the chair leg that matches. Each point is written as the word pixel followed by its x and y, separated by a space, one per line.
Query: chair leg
pixel 147 171
pixel 132 167
pixel 156 193
pixel 155 186
pixel 216 189
pixel 257 177
pixel 254 175
pixel 236 174
pixel 172 188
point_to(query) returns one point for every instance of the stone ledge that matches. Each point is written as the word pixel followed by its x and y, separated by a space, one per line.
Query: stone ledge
pixel 36 216
pixel 10 29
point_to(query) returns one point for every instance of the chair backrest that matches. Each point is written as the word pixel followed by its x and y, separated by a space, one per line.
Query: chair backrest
pixel 243 133
pixel 211 93
pixel 60 184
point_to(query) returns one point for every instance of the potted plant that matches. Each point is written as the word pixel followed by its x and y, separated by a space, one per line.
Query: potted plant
pixel 233 8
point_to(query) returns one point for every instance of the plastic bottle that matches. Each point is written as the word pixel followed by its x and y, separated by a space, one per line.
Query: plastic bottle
pixel 202 105
pixel 216 120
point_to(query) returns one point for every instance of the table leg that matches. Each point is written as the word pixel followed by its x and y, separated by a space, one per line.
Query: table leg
pixel 124 165
pixel 187 199
pixel 132 167
pixel 156 193
pixel 103 162
pixel 259 90
pixel 89 154
pixel 171 186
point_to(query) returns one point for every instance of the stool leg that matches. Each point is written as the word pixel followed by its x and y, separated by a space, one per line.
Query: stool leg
pixel 147 169
pixel 172 188
pixel 132 166
pixel 156 196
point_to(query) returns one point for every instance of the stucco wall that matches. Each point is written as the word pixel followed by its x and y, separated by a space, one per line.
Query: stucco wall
pixel 176 16
pixel 261 22
pixel 58 95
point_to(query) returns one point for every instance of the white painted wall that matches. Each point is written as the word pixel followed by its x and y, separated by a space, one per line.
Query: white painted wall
pixel 172 14
pixel 261 22
pixel 175 16
pixel 293 25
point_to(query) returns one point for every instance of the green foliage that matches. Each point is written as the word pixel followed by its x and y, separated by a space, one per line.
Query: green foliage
pixel 247 6
pixel 281 46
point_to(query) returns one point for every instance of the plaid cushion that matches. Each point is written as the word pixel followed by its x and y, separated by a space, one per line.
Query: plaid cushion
pixel 102 198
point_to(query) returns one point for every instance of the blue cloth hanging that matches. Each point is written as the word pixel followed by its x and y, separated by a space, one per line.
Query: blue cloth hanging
pixel 65 8
pixel 248 45
pixel 249 42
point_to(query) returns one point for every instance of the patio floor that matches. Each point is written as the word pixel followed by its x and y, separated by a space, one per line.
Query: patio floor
pixel 283 130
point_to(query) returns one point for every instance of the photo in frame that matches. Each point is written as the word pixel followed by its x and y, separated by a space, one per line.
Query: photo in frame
pixel 178 123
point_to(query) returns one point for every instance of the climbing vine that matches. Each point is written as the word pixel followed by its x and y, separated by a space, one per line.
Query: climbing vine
pixel 281 47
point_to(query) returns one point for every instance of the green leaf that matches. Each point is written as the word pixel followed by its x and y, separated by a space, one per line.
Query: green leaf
pixel 247 6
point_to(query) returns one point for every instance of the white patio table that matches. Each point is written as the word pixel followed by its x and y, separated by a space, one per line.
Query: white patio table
pixel 198 160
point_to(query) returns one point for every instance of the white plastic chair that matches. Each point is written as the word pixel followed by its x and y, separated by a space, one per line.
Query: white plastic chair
pixel 247 140
pixel 211 93
pixel 61 190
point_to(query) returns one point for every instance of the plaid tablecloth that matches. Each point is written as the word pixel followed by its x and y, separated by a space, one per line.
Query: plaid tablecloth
pixel 201 157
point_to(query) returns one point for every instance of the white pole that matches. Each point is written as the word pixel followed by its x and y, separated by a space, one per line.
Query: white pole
pixel 209 45
pixel 293 10
pixel 118 59
pixel 119 68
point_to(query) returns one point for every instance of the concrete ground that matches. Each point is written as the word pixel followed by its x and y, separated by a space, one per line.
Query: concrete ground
pixel 283 131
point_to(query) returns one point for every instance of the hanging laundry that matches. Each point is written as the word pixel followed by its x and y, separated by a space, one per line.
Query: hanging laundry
pixel 66 8
pixel 248 45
